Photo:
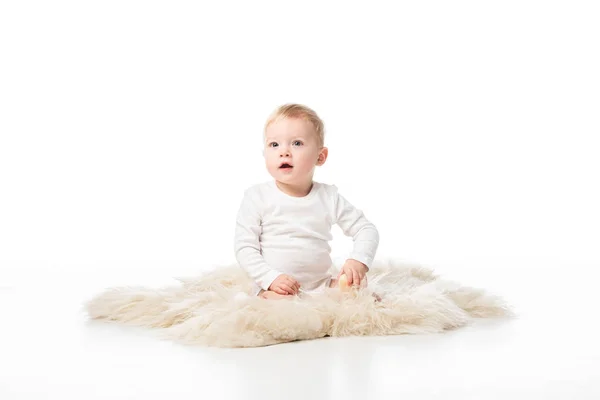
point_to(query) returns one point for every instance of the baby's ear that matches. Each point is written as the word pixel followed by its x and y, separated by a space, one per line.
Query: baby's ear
pixel 322 156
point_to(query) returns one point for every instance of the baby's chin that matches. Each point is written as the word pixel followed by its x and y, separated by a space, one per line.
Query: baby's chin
pixel 289 178
pixel 283 173
pixel 284 178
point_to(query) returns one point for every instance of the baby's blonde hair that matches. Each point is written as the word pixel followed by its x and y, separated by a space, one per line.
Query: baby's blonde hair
pixel 299 111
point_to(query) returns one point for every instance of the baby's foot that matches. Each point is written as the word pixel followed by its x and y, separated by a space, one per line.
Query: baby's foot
pixel 342 285
pixel 270 295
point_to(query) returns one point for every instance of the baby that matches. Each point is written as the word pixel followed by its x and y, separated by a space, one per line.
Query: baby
pixel 283 226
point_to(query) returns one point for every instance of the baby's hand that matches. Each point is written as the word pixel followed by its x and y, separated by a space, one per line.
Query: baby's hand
pixel 285 285
pixel 355 271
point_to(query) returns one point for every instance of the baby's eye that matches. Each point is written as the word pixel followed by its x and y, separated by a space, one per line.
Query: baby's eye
pixel 297 141
pixel 273 144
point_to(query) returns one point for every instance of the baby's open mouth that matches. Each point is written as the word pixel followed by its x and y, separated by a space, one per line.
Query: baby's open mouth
pixel 285 165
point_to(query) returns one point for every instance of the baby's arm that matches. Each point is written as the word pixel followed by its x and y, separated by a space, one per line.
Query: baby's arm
pixel 363 232
pixel 247 244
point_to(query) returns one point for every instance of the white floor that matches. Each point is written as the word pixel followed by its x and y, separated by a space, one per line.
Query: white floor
pixel 48 350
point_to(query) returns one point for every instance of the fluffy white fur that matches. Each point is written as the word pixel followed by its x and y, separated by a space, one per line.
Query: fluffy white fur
pixel 216 310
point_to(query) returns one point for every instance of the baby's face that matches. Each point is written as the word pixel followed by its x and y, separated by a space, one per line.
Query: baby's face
pixel 293 142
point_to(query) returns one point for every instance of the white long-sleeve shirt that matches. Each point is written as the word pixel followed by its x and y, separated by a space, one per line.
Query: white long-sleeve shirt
pixel 281 234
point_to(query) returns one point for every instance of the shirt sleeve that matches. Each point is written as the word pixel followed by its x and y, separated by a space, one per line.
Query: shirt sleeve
pixel 247 243
pixel 353 222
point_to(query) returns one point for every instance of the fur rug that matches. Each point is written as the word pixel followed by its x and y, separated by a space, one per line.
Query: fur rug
pixel 216 310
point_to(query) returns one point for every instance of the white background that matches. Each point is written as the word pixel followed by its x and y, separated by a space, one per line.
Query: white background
pixel 129 130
